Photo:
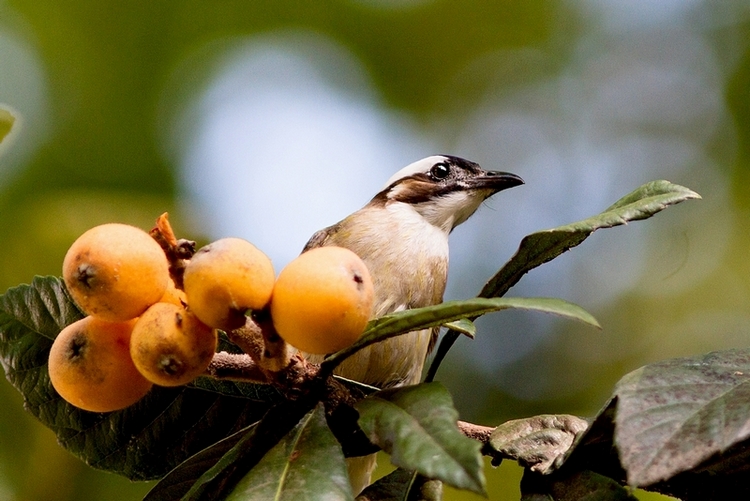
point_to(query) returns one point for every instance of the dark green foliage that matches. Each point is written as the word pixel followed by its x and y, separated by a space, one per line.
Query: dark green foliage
pixel 416 426
pixel 306 462
pixel 578 486
pixel 679 427
pixel 403 485
pixel 142 442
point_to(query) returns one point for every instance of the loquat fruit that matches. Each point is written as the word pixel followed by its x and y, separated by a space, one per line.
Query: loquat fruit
pixel 115 271
pixel 226 278
pixel 170 346
pixel 90 366
pixel 173 295
pixel 322 300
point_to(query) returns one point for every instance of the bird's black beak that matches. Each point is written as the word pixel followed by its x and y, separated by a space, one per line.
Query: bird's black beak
pixel 495 181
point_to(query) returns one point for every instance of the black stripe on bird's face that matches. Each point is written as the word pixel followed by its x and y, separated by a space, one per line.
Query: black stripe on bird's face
pixel 443 176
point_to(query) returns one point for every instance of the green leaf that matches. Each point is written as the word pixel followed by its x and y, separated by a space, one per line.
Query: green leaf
pixel 537 442
pixel 306 464
pixel 179 481
pixel 416 425
pixel 572 486
pixel 464 326
pixel 673 416
pixel 403 485
pixel 219 480
pixel 680 427
pixel 431 316
pixel 215 481
pixel 543 246
pixel 144 441
pixel 6 123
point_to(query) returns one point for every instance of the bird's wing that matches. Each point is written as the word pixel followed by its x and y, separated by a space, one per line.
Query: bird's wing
pixel 321 237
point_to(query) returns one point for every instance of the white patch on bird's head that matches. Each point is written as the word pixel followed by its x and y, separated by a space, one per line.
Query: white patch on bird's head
pixel 443 202
pixel 419 167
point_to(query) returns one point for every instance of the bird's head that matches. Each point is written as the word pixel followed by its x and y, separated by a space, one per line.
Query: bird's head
pixel 443 189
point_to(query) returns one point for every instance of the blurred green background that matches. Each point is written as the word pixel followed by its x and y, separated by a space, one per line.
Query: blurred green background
pixel 271 119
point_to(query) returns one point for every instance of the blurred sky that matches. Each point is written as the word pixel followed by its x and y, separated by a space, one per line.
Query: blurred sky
pixel 272 127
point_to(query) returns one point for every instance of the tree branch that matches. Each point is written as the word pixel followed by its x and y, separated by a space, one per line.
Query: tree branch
pixel 236 367
pixel 476 431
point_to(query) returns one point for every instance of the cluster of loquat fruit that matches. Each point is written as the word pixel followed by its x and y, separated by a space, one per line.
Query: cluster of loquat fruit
pixel 141 329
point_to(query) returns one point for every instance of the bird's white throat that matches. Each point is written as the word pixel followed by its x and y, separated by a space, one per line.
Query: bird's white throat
pixel 449 210
pixel 417 229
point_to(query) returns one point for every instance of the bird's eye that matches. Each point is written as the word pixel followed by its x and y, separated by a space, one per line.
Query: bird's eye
pixel 440 171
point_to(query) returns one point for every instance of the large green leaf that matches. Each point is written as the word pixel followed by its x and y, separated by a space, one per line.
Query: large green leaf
pixel 416 425
pixel 182 479
pixel 403 485
pixel 680 427
pixel 543 246
pixel 144 441
pixel 572 486
pixel 306 464
pixel 228 462
pixel 674 415
pixel 431 316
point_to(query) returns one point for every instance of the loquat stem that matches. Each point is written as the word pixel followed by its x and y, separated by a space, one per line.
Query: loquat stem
pixel 236 367
pixel 249 339
pixel 178 251
pixel 259 339
pixel 277 353
pixel 292 380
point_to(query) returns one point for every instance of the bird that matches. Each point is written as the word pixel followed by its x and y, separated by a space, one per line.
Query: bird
pixel 402 237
